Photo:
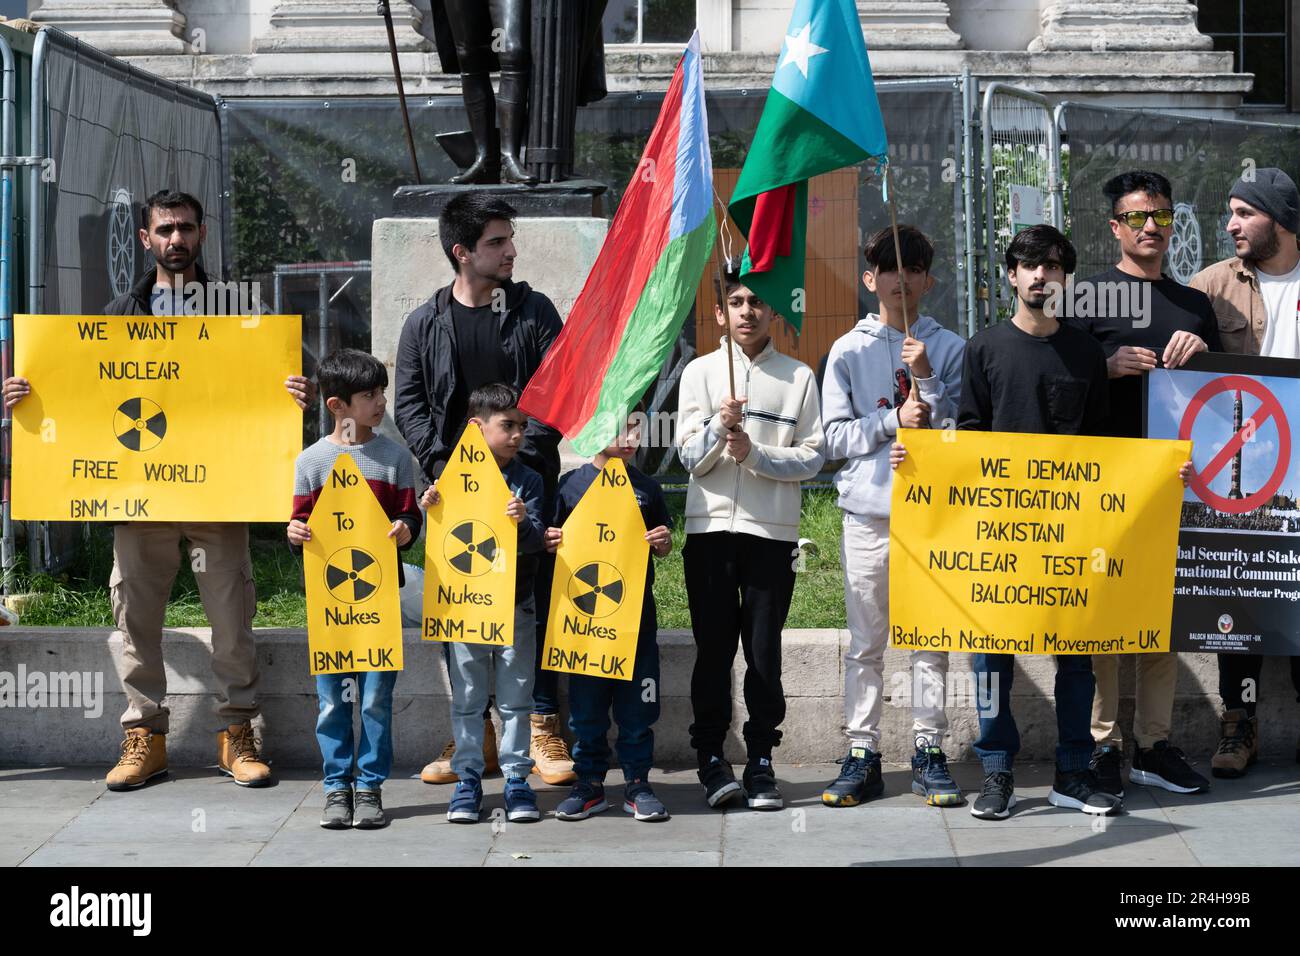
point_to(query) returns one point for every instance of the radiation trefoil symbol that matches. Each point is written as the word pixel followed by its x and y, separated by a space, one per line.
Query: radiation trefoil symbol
pixel 352 575
pixel 596 589
pixel 139 424
pixel 470 548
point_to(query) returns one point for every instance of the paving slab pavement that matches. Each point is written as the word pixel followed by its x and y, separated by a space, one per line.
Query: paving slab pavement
pixel 63 816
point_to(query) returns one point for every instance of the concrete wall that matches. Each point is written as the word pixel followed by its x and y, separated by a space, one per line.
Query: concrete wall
pixel 813 677
pixel 228 25
pixel 995 24
pixel 758 26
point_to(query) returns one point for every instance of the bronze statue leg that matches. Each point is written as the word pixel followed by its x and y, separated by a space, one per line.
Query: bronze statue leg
pixel 512 18
pixel 472 30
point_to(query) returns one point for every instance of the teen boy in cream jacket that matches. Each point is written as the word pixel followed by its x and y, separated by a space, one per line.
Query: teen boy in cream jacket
pixel 746 457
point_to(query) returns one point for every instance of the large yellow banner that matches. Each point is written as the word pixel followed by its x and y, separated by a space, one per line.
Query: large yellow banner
pixel 354 617
pixel 599 583
pixel 1033 544
pixel 148 418
pixel 470 551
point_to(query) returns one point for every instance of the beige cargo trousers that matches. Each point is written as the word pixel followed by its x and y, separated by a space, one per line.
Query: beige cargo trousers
pixel 146 557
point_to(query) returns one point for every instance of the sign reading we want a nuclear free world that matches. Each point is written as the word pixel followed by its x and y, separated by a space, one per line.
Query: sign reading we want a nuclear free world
pixel 1033 544
pixel 155 418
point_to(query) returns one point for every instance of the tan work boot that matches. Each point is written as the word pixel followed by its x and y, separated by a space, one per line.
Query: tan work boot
pixel 144 756
pixel 1239 746
pixel 551 759
pixel 491 763
pixel 237 756
pixel 439 771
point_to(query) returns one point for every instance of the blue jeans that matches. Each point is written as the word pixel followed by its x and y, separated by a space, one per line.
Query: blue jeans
pixel 999 740
pixel 472 669
pixel 546 684
pixel 374 754
pixel 590 701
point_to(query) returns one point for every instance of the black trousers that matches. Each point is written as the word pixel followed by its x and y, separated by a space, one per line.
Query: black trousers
pixel 1235 670
pixel 739 588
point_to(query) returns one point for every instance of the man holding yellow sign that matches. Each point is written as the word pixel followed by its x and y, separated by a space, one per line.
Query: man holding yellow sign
pixel 1035 375
pixel 146 553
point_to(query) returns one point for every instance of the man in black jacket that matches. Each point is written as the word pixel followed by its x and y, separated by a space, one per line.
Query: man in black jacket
pixel 147 555
pixel 483 328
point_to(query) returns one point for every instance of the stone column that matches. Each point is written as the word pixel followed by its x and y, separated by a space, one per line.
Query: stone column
pixel 344 26
pixel 1100 26
pixel 122 28
pixel 713 17
pixel 907 25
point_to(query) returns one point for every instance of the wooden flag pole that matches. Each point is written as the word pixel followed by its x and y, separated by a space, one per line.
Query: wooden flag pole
pixel 722 296
pixel 914 392
pixel 898 250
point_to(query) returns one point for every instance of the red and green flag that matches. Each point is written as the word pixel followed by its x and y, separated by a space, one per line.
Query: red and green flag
pixel 821 114
pixel 636 296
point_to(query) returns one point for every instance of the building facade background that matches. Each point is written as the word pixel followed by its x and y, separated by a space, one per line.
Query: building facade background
pixel 1208 55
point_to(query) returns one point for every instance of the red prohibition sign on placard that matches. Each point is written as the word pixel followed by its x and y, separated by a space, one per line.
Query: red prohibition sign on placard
pixel 1269 407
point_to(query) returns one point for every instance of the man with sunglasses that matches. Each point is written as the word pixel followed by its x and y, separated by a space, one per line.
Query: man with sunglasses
pixel 1143 320
pixel 1256 295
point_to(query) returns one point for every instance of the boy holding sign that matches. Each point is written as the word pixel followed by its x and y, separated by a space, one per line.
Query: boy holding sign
pixel 495 410
pixel 867 397
pixel 352 385
pixel 635 702
pixel 749 432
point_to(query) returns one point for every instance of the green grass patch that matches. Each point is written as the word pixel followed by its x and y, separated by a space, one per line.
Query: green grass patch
pixel 79 597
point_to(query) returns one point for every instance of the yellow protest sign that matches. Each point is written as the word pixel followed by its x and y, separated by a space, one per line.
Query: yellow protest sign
pixel 470 551
pixel 599 583
pixel 1033 544
pixel 148 418
pixel 354 615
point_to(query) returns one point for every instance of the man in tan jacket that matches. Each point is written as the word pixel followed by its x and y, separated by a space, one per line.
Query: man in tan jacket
pixel 1256 297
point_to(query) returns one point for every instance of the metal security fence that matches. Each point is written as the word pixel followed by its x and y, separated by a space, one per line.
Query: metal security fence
pixel 101 136
pixel 1202 158
pixel 1021 181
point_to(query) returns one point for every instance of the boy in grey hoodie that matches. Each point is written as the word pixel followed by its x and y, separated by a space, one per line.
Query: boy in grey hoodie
pixel 878 380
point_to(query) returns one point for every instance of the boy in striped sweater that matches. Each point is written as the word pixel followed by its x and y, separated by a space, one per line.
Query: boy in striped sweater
pixel 352 386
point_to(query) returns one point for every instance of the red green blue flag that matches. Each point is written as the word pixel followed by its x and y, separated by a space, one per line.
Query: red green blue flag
pixel 636 296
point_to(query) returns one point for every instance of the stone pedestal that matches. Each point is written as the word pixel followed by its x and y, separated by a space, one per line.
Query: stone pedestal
pixel 339 26
pixel 122 28
pixel 907 25
pixel 1099 26
pixel 555 253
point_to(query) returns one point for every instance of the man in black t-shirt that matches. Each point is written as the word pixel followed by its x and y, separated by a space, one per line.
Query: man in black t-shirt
pixel 1033 374
pixel 482 329
pixel 1143 320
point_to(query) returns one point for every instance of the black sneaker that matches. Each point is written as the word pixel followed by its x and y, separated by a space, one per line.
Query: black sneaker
pixel 997 798
pixel 1078 790
pixel 760 785
pixel 720 786
pixel 931 778
pixel 859 779
pixel 1106 763
pixel 337 814
pixel 1166 766
pixel 369 811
